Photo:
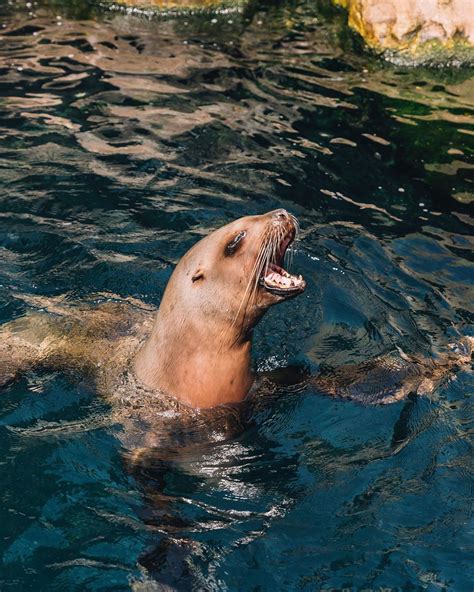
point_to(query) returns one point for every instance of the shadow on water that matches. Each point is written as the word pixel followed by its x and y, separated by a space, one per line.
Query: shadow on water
pixel 124 139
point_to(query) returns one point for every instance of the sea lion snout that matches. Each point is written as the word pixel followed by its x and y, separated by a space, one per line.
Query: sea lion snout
pixel 280 214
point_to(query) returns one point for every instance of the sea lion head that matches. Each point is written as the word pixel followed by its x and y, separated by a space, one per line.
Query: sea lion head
pixel 199 348
pixel 236 273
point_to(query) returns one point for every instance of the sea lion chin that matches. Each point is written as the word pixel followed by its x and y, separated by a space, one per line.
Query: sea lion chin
pixel 199 348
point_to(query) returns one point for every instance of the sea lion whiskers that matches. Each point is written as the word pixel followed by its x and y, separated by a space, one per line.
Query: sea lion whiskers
pixel 267 251
pixel 262 258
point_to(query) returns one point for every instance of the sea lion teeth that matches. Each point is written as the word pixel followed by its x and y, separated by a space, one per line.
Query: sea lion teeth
pixel 282 279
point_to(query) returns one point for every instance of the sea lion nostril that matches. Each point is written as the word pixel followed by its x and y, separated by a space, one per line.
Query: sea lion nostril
pixel 281 214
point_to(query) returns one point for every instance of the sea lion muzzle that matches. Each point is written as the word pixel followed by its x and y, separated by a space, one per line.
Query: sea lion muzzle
pixel 274 278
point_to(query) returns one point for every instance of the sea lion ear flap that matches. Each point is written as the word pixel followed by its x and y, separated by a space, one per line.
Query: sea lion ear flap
pixel 197 275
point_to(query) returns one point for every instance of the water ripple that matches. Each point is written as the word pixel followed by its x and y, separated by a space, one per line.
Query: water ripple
pixel 124 139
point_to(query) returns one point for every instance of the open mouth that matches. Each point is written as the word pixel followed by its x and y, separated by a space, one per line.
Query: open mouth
pixel 276 279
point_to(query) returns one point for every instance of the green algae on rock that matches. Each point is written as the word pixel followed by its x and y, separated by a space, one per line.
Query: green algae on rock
pixel 173 5
pixel 413 32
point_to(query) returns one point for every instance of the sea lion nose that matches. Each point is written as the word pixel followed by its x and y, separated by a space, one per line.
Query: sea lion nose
pixel 280 215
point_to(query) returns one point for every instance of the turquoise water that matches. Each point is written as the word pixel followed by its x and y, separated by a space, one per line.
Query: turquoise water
pixel 123 139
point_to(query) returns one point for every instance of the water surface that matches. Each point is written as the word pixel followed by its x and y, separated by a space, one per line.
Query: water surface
pixel 123 139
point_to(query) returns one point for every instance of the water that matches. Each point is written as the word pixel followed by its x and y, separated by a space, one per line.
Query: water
pixel 123 139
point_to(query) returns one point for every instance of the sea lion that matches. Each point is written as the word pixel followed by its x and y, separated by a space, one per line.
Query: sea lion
pixel 197 353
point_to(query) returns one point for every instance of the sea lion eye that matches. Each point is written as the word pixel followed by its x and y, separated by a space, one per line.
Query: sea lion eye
pixel 235 243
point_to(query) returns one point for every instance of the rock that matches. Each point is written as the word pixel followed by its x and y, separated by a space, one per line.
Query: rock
pixel 415 31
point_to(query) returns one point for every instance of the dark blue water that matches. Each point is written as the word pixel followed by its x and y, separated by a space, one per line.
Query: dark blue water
pixel 123 140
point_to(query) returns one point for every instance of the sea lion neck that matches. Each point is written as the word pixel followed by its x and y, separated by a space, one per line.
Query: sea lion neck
pixel 194 363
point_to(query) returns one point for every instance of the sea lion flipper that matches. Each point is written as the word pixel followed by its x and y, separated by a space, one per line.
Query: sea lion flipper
pixel 393 377
pixel 378 381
